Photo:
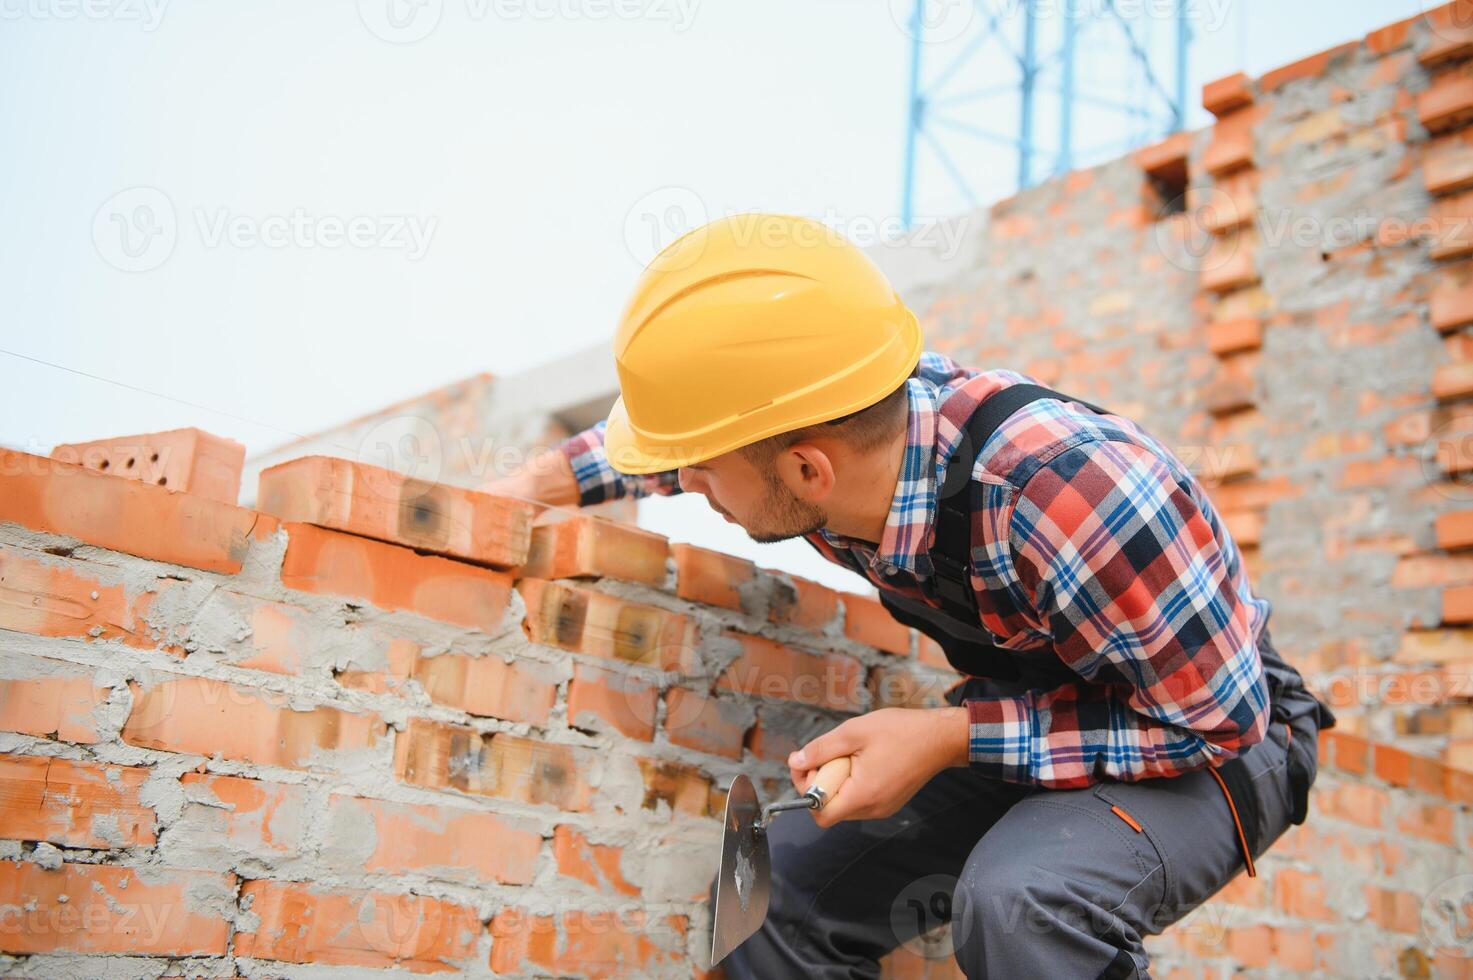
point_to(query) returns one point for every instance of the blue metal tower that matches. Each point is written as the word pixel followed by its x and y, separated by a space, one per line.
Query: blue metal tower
pixel 1047 58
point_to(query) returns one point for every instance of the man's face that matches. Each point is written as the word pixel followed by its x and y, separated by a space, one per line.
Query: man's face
pixel 754 498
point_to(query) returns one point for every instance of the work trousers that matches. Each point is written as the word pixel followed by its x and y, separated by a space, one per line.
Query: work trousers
pixel 1035 882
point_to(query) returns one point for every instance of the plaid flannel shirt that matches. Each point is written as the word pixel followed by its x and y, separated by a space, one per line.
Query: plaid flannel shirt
pixel 1092 540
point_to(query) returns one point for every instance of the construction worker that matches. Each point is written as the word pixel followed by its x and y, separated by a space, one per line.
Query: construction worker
pixel 1126 739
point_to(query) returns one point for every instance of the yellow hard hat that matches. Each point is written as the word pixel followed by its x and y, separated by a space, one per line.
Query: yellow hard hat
pixel 749 326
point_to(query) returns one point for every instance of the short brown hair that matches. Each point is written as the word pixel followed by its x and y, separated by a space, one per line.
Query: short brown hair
pixel 863 430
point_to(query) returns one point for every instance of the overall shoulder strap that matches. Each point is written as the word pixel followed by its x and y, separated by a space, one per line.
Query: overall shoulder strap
pixel 951 549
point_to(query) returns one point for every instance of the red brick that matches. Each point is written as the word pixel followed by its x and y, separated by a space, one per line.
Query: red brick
pixel 1223 95
pixel 124 515
pixel 592 944
pixel 1451 303
pixel 803 603
pixel 1435 646
pixel 1229 263
pixel 694 721
pixel 598 865
pixel 48 596
pixel 1448 102
pixel 1434 822
pixel 1229 336
pixel 377 503
pixel 1301 894
pixel 583 546
pixel 210 717
pixel 394 578
pixel 1397 911
pixel 769 669
pixel 1245 527
pixel 1451 224
pixel 682 788
pixel 1229 204
pixel 1450 381
pixel 187 460
pixel 899 688
pixel 602 625
pixel 1448 164
pixel 1422 570
pixel 602 700
pixel 1167 159
pixel 1311 67
pixel 441 841
pixel 441 756
pixel 1351 752
pixel 112 910
pixel 1450 37
pixel 300 923
pixel 765 743
pixel 254 816
pixel 1390 37
pixel 522 690
pixel 1457 604
pixel 711 577
pixel 79 804
pixel 1231 147
pixel 63 708
pixel 867 621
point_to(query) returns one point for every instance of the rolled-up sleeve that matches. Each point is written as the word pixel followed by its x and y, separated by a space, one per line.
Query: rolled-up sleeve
pixel 598 481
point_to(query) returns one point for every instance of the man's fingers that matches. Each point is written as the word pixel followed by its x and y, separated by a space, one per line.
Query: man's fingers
pixel 830 745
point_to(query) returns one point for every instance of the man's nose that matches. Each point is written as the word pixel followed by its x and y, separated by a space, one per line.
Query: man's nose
pixel 686 477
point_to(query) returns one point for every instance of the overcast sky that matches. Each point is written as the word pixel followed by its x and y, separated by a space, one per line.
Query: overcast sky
pixel 264 218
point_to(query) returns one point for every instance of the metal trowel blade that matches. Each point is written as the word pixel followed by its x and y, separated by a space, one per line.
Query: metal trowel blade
pixel 745 878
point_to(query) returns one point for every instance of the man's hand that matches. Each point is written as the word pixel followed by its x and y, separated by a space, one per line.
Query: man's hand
pixel 896 751
pixel 546 478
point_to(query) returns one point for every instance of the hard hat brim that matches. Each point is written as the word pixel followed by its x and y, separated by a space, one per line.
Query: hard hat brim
pixel 630 453
pixel 626 454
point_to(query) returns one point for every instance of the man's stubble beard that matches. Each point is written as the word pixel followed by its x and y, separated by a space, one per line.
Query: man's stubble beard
pixel 785 516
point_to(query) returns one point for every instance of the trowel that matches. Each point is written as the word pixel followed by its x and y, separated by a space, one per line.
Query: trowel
pixel 745 878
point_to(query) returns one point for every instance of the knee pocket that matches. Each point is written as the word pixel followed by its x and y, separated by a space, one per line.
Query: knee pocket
pixel 1097 863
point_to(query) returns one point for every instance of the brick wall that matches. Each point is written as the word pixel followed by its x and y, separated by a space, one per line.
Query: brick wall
pixel 406 725
pixel 392 724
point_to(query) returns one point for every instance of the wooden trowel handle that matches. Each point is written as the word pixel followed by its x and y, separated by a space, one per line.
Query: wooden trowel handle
pixel 828 780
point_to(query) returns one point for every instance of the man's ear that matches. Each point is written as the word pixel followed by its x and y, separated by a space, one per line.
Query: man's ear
pixel 807 470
